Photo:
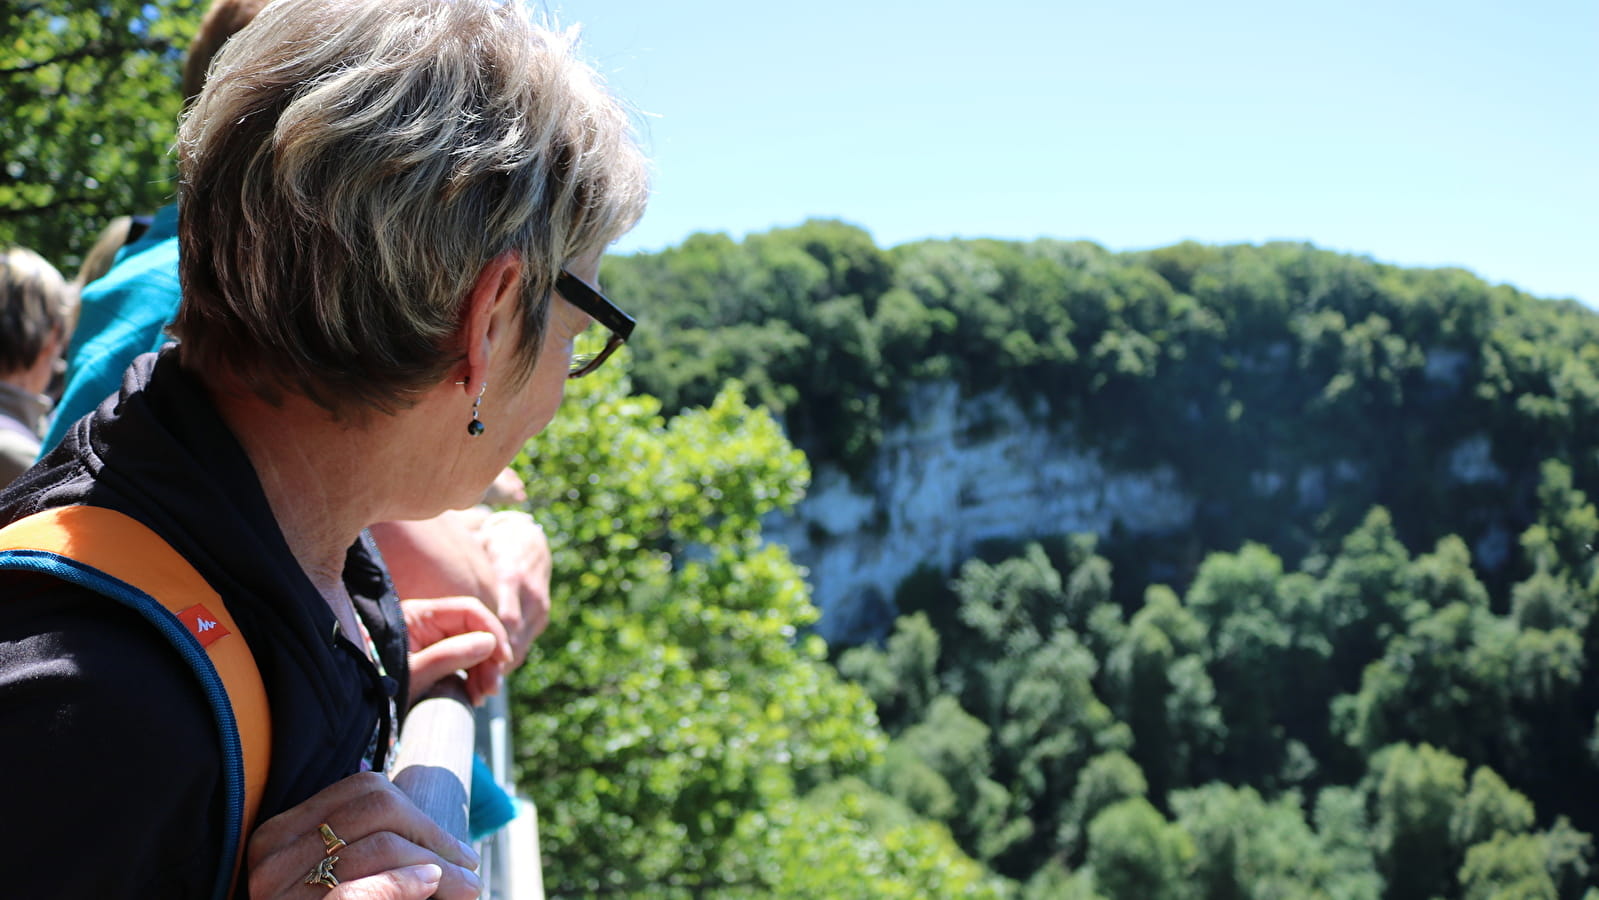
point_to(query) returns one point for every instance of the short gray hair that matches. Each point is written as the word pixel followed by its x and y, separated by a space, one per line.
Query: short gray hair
pixel 352 165
pixel 35 303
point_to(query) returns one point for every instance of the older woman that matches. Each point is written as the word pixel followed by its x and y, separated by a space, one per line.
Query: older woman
pixel 36 306
pixel 392 213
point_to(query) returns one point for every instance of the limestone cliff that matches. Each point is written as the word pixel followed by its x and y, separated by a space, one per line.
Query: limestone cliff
pixel 959 472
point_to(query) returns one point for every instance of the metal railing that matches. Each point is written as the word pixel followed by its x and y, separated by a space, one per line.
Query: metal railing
pixel 434 768
pixel 512 866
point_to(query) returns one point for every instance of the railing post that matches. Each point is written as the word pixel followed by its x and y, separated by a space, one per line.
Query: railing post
pixel 434 765
pixel 434 768
pixel 512 866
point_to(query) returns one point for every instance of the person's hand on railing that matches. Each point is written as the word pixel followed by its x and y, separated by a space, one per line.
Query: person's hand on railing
pixel 448 634
pixel 519 556
pixel 360 839
pixel 502 558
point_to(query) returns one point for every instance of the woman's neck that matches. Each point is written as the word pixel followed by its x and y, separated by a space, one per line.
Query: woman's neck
pixel 326 479
pixel 320 477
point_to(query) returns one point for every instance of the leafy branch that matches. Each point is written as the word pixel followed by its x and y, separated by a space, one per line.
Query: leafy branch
pixel 17 212
pixel 93 49
pixel 696 887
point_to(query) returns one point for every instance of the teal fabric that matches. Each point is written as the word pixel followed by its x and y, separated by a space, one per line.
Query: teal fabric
pixel 491 808
pixel 121 315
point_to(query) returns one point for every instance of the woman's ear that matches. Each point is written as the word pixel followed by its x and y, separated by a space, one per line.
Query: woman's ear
pixel 491 307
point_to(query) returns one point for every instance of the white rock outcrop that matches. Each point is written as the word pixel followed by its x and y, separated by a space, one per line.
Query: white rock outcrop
pixel 959 472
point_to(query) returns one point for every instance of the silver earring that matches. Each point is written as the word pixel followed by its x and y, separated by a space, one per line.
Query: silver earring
pixel 476 426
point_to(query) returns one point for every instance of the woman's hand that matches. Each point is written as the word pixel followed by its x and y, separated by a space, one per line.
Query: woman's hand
pixel 451 633
pixel 519 555
pixel 502 558
pixel 392 852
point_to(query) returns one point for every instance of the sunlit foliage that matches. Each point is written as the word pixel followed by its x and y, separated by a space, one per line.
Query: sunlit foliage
pixel 672 719
pixel 89 94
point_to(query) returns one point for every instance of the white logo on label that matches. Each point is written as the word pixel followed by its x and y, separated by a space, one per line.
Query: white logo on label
pixel 206 624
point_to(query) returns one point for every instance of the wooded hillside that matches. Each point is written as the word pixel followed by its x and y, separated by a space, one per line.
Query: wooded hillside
pixel 1364 672
pixel 1291 388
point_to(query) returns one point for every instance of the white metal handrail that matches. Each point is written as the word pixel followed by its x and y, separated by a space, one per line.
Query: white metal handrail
pixel 512 865
pixel 434 768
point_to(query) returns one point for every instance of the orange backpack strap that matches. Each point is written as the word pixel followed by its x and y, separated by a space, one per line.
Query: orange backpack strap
pixel 117 556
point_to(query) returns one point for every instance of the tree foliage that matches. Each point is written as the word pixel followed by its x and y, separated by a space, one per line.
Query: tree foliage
pixel 674 716
pixel 90 95
pixel 1291 389
pixel 1350 676
pixel 1445 744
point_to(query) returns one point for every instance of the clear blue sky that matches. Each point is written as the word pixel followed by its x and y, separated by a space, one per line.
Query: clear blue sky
pixel 1416 132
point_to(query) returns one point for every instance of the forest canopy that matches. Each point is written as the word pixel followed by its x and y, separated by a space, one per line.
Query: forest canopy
pixel 1291 389
pixel 1364 669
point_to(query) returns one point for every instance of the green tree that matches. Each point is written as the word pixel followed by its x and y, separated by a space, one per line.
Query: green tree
pixel 1490 807
pixel 955 745
pixel 999 756
pixel 1444 577
pixel 1503 858
pixel 1135 854
pixel 1416 792
pixel 1548 601
pixel 902 677
pixel 1246 847
pixel 1053 724
pixel 1295 395
pixel 1107 780
pixel 1055 882
pixel 1265 654
pixel 846 842
pixel 1507 867
pixel 1562 539
pixel 1157 685
pixel 673 712
pixel 90 94
pixel 1343 826
pixel 1473 682
pixel 1363 595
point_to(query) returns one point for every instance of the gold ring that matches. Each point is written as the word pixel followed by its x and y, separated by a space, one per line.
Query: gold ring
pixel 323 873
pixel 333 842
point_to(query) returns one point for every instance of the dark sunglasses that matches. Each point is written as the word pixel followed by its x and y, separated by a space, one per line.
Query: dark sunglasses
pixel 591 301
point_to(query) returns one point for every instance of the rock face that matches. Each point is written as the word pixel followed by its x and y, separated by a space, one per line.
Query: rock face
pixel 962 471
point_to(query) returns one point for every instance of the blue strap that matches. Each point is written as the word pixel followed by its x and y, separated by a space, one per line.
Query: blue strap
pixel 177 634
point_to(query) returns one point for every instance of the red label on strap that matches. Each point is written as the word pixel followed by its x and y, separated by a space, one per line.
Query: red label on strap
pixel 204 626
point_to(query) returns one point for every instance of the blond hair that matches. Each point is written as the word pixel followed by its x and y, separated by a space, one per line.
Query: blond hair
pixel 352 165
pixel 36 303
pixel 103 255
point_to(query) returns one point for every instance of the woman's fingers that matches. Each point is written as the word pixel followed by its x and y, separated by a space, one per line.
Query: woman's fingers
pixel 519 552
pixel 409 883
pixel 386 853
pixel 383 866
pixel 430 620
pixel 474 652
pixel 449 633
pixel 294 824
pixel 389 810
pixel 506 489
pixel 383 831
